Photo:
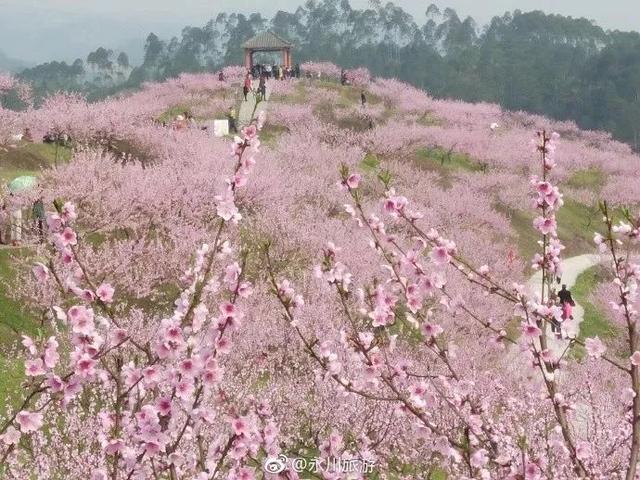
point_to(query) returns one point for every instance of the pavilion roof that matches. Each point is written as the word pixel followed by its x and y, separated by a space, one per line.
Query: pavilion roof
pixel 267 40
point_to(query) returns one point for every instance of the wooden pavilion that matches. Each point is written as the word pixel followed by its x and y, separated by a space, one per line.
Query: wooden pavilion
pixel 267 42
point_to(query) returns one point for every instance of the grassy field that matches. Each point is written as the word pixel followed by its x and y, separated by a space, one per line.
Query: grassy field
pixel 348 95
pixel 445 161
pixel 10 382
pixel 370 164
pixel 595 320
pixel 170 114
pixel 270 134
pixel 428 119
pixel 298 96
pixel 592 179
pixel 14 321
pixel 12 318
pixel 30 159
pixel 327 113
pixel 576 226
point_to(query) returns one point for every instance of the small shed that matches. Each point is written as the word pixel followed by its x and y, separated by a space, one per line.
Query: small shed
pixel 267 42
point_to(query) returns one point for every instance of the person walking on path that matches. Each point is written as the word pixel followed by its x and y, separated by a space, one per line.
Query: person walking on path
pixel 231 116
pixel 247 86
pixel 262 88
pixel 363 99
pixel 567 303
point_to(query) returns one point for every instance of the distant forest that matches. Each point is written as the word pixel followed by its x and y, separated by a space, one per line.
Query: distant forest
pixel 559 66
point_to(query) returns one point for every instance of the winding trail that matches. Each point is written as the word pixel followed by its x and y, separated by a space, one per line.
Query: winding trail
pixel 517 362
pixel 572 268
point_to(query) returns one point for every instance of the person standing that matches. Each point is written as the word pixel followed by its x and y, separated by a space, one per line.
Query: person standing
pixel 179 123
pixel 39 217
pixel 247 86
pixel 262 88
pixel 363 99
pixel 232 120
pixel 16 226
pixel 191 121
pixel 27 136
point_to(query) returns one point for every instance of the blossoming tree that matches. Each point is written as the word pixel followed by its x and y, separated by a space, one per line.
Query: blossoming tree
pixel 196 324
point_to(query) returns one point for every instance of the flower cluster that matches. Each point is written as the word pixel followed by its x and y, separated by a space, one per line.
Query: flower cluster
pixel 321 70
pixel 360 77
pixel 547 201
pixel 234 73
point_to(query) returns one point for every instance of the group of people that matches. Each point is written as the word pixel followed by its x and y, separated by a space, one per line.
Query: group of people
pixel 277 72
pixel 184 121
pixel 180 122
pixel 259 72
pixel 344 79
pixel 564 298
pixel 62 139
pixel 12 222
pixel 260 93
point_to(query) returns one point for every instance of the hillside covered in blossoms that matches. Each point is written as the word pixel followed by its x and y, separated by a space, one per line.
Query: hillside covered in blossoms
pixel 347 277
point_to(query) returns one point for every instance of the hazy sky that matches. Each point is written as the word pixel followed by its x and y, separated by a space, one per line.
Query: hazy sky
pixel 38 30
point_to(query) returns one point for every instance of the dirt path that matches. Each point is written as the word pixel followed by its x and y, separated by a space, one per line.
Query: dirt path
pixel 248 110
pixel 572 268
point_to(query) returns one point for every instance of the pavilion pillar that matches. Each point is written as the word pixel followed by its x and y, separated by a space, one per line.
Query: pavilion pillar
pixel 248 58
